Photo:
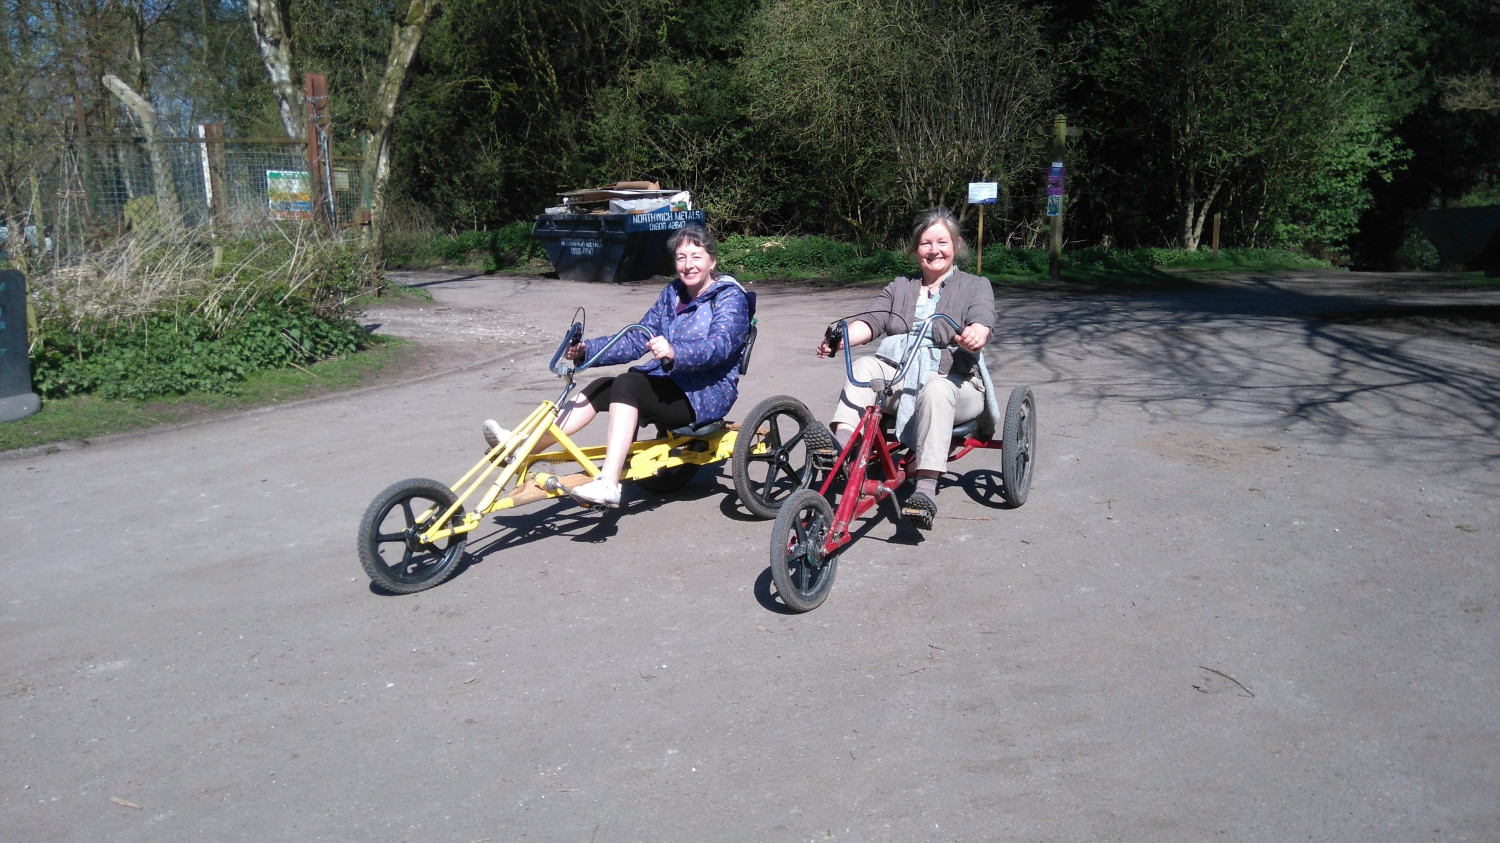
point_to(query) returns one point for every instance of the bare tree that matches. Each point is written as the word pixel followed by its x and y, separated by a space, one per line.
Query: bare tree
pixel 161 174
pixel 973 88
pixel 1471 92
pixel 271 20
pixel 406 37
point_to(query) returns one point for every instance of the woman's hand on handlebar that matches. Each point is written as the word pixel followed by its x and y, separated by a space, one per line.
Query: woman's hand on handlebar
pixel 661 349
pixel 973 337
pixel 860 333
pixel 574 352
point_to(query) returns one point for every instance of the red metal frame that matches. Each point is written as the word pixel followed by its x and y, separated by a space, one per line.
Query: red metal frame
pixel 869 442
pixel 867 438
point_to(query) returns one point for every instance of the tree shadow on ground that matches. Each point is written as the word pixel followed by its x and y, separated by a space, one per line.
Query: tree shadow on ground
pixel 1307 354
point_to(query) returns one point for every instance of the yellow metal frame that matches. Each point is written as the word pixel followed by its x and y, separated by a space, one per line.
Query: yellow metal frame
pixel 511 475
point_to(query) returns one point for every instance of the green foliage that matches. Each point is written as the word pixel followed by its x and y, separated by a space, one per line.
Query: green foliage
pixel 500 248
pixel 1276 113
pixel 999 260
pixel 163 354
pixel 761 258
pixel 810 256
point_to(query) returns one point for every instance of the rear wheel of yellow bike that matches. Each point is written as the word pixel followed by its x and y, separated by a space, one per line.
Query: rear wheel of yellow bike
pixel 390 546
pixel 773 453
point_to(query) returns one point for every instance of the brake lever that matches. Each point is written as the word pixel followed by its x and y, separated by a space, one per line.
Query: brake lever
pixel 833 337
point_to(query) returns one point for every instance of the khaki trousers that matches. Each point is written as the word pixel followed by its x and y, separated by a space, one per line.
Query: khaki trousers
pixel 943 402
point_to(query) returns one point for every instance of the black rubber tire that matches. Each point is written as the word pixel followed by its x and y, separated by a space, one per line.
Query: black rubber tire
pixel 668 480
pixel 1018 447
pixel 803 577
pixel 791 433
pixel 388 547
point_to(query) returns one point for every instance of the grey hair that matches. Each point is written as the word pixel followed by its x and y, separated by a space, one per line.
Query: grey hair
pixel 931 217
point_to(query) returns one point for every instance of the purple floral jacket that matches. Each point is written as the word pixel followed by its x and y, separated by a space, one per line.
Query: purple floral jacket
pixel 706 337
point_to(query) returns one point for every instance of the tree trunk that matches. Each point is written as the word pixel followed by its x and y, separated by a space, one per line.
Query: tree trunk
pixel 1193 217
pixel 406 37
pixel 161 174
pixel 271 20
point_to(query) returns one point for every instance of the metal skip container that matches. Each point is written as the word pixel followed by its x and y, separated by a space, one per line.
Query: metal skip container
pixel 614 248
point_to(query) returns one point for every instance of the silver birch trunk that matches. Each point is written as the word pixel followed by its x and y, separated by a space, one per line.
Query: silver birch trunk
pixel 161 174
pixel 406 37
pixel 272 25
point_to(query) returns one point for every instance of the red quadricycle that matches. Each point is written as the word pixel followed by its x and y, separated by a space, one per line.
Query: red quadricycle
pixel 811 533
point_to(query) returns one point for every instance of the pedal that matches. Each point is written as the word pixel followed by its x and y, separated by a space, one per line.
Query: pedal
pixel 919 511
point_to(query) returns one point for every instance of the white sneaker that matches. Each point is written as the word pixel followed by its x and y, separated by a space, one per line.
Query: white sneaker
pixel 494 434
pixel 599 492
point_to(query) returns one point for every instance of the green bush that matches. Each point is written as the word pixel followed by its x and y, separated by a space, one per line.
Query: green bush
pixel 489 250
pixel 808 256
pixel 175 312
pixel 165 354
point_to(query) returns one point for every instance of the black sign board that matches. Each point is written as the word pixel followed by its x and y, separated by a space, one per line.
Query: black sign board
pixel 17 401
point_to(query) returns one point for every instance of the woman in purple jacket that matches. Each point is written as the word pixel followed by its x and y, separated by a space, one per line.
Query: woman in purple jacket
pixel 699 324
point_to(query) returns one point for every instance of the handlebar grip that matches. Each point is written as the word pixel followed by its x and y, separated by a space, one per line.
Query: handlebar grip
pixel 833 336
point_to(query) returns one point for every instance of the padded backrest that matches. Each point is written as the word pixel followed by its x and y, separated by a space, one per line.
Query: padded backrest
pixel 750 334
pixel 988 421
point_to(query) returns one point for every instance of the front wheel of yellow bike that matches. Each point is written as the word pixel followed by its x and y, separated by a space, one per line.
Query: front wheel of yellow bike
pixel 390 546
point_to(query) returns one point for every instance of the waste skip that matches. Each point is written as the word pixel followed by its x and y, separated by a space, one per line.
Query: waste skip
pixel 17 401
pixel 611 247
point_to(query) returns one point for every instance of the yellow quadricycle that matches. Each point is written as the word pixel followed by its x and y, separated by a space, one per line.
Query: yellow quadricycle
pixel 413 534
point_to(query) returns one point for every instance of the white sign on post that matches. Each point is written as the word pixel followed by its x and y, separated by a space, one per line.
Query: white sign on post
pixel 983 192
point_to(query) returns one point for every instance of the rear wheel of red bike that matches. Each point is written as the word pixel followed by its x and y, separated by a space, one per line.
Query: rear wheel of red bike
pixel 1018 447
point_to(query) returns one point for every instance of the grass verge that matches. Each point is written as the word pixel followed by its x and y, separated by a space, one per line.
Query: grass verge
pixel 85 417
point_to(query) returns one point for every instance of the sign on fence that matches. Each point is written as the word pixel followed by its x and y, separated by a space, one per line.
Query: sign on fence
pixel 17 401
pixel 290 194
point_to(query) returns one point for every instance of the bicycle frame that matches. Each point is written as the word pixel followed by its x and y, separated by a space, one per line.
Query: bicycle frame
pixel 515 459
pixel 869 442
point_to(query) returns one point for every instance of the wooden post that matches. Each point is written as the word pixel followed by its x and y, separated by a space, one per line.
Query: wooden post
pixel 1216 237
pixel 318 150
pixel 979 267
pixel 213 171
pixel 38 224
pixel 1058 159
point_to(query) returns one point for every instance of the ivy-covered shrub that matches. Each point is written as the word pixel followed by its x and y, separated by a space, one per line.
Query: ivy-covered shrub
pixel 164 354
pixel 491 250
pixel 175 313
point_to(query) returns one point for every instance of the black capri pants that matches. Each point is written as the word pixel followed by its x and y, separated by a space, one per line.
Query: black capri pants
pixel 658 399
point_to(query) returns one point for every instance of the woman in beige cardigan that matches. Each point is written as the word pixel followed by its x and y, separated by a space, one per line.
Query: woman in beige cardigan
pixel 951 390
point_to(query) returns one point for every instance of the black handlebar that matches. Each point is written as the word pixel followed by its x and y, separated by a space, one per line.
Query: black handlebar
pixel 575 332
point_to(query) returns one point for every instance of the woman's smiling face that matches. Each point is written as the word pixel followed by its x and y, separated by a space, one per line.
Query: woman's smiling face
pixel 935 249
pixel 695 266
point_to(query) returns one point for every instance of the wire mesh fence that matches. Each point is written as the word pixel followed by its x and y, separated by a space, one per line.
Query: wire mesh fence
pixel 85 191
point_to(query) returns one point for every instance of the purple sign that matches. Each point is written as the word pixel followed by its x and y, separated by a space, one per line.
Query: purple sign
pixel 1054 189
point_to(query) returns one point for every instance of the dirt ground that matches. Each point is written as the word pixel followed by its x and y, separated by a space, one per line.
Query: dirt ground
pixel 1254 595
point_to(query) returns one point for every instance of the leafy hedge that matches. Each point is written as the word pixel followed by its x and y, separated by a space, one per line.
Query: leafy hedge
pixel 809 256
pixel 496 249
pixel 173 355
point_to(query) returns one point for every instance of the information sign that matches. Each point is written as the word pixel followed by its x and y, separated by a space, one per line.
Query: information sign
pixel 290 194
pixel 1054 189
pixel 983 192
